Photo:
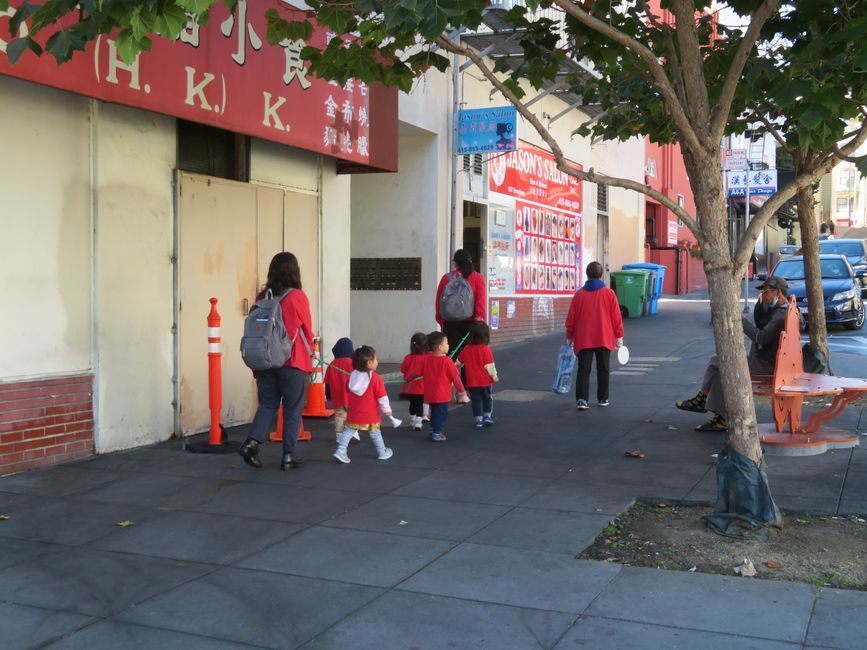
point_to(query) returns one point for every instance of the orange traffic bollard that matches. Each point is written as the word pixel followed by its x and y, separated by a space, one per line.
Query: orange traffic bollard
pixel 215 375
pixel 315 407
pixel 217 442
pixel 277 434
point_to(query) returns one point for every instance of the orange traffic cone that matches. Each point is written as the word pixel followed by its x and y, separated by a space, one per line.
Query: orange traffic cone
pixel 315 407
pixel 277 435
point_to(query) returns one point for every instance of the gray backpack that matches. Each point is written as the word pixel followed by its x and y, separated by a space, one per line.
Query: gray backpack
pixel 266 343
pixel 457 301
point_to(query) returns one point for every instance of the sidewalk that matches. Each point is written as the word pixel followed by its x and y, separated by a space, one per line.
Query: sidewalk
pixel 466 544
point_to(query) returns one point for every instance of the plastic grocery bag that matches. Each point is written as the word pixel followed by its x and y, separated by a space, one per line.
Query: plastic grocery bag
pixel 565 368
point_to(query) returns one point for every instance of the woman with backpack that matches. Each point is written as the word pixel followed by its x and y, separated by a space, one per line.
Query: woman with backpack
pixel 461 299
pixel 288 383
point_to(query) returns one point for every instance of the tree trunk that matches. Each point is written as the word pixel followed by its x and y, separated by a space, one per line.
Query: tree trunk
pixel 724 287
pixel 816 324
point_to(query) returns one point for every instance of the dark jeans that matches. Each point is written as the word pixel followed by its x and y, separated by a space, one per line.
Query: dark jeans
pixel 289 386
pixel 585 364
pixel 415 405
pixel 483 403
pixel 455 332
pixel 438 414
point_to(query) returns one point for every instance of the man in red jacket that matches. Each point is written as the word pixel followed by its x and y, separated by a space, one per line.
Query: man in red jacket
pixel 594 327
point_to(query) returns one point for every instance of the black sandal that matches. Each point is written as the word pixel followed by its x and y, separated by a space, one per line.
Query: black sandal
pixel 694 404
pixel 717 424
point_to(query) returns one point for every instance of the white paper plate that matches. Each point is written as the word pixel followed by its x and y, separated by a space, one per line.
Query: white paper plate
pixel 623 355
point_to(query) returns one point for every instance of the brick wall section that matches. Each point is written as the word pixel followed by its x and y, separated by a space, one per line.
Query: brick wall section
pixel 45 422
pixel 533 317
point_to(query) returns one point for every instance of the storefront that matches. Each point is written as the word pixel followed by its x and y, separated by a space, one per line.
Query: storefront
pixel 134 193
pixel 534 243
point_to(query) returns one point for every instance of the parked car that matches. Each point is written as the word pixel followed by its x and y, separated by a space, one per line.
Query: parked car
pixel 788 249
pixel 843 291
pixel 854 249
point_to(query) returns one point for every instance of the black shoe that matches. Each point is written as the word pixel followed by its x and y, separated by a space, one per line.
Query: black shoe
pixel 291 460
pixel 249 451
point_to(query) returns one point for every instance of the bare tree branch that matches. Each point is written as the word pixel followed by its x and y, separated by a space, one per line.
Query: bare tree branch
pixel 761 117
pixel 823 166
pixel 727 94
pixel 698 104
pixel 591 176
pixel 660 81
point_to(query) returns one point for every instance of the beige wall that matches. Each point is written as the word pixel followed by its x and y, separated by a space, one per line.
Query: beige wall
pixel 335 242
pixel 134 157
pixel 45 242
pixel 399 215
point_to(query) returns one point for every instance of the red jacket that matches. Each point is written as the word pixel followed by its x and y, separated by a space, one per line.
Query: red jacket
pixel 440 373
pixel 477 284
pixel 337 381
pixel 475 358
pixel 364 409
pixel 412 367
pixel 594 320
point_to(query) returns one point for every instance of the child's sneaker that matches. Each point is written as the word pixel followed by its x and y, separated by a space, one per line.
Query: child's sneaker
pixel 386 454
pixel 355 435
pixel 416 423
pixel 437 437
pixel 342 456
pixel 488 421
pixel 582 405
pixel 479 422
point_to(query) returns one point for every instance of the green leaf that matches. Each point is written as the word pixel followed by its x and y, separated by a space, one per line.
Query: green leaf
pixel 196 7
pixel 18 46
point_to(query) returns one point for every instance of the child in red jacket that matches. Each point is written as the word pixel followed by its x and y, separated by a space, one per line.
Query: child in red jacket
pixel 336 381
pixel 413 382
pixel 366 398
pixel 478 361
pixel 440 374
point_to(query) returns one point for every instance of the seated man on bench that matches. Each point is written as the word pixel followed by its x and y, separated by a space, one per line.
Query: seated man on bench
pixel 769 319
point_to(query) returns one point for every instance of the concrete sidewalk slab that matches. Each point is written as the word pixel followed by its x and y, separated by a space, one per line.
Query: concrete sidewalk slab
pixel 198 537
pixel 839 619
pixel 111 635
pixel 359 557
pixel 531 579
pixel 409 620
pixel 611 634
pixel 431 518
pixel 493 489
pixel 31 627
pixel 92 582
pixel 681 599
pixel 253 607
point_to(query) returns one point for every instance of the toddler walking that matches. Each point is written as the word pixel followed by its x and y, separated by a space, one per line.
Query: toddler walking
pixel 336 381
pixel 440 374
pixel 413 384
pixel 365 399
pixel 478 361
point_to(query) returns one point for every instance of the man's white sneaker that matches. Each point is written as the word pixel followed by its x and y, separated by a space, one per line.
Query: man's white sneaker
pixel 342 456
pixel 386 454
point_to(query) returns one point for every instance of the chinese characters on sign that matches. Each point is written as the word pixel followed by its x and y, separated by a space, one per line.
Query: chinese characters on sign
pixel 487 130
pixel 547 219
pixel 222 74
pixel 762 182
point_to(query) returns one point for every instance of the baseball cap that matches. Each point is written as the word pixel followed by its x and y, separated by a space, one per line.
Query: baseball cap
pixel 776 282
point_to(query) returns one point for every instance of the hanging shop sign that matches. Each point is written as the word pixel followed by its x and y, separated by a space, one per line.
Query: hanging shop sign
pixel 547 222
pixel 761 182
pixel 487 130
pixel 226 75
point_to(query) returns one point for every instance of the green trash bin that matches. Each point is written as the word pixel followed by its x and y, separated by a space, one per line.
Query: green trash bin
pixel 631 287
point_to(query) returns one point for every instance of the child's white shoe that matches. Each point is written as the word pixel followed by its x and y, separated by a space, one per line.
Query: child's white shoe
pixel 342 456
pixel 385 454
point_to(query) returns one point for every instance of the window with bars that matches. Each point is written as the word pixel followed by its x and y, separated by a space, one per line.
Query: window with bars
pixel 602 199
pixel 473 162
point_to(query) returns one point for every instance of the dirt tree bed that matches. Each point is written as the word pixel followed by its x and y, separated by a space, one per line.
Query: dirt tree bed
pixel 820 550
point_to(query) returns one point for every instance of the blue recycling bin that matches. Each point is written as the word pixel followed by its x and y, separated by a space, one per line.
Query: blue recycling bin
pixel 653 308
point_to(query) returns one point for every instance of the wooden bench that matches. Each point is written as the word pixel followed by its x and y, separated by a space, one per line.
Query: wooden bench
pixel 788 387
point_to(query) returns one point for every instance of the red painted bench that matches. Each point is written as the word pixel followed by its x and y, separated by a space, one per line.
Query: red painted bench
pixel 787 388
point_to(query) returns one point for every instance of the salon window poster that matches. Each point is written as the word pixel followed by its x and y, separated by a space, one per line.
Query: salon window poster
pixel 547 220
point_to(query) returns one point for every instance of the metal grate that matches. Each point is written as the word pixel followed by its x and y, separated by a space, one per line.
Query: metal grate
pixel 473 161
pixel 602 199
pixel 385 274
